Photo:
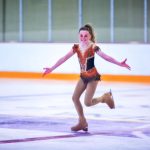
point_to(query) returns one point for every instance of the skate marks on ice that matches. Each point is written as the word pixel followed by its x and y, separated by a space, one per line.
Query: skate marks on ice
pixel 59 128
pixel 43 111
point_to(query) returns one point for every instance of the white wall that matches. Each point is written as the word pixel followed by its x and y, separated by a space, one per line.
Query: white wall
pixel 32 57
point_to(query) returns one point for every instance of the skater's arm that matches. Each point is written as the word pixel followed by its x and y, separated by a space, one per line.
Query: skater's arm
pixel 112 60
pixel 58 63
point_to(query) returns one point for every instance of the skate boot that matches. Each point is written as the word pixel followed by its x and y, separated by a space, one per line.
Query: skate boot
pixel 80 126
pixel 108 99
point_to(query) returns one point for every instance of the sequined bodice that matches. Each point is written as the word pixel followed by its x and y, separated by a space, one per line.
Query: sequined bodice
pixel 86 58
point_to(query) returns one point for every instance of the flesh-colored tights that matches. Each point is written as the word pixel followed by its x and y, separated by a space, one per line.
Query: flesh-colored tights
pixel 89 89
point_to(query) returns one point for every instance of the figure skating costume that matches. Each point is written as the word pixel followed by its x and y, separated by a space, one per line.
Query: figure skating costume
pixel 86 61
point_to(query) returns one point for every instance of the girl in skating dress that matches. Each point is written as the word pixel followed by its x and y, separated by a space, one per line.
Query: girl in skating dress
pixel 89 75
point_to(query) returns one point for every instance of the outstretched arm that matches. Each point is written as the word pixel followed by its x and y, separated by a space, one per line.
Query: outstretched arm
pixel 58 63
pixel 112 60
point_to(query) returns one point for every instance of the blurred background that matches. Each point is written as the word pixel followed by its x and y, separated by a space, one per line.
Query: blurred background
pixel 115 21
pixel 36 33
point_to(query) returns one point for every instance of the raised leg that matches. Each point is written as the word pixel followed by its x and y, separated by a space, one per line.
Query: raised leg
pixel 105 98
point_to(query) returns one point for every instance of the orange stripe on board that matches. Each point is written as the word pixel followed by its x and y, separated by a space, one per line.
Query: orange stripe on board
pixel 126 78
pixel 65 76
pixel 35 75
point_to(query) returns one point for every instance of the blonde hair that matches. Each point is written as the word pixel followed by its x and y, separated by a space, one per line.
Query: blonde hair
pixel 89 28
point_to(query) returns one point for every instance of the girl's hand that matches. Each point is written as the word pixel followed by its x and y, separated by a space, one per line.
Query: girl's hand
pixel 47 70
pixel 58 63
pixel 123 64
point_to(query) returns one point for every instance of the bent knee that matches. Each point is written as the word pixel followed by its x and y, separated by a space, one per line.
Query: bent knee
pixel 75 99
pixel 88 103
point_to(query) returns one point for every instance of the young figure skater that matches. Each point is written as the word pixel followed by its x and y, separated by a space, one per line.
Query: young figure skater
pixel 89 76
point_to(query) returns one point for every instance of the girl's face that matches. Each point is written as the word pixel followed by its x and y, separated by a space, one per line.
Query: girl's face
pixel 84 37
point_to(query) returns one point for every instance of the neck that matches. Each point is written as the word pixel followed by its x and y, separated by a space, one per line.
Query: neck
pixel 84 46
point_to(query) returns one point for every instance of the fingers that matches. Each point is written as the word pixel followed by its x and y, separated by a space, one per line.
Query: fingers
pixel 44 72
pixel 47 70
pixel 124 61
pixel 126 64
pixel 128 67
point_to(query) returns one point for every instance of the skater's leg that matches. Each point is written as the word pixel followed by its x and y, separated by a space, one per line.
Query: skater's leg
pixel 90 90
pixel 80 87
pixel 105 98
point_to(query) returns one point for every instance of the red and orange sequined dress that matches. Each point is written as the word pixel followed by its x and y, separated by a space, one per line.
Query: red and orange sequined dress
pixel 86 61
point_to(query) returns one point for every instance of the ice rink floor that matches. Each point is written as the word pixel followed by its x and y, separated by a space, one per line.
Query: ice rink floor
pixel 38 114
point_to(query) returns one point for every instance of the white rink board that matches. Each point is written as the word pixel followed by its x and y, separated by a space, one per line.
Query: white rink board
pixel 32 57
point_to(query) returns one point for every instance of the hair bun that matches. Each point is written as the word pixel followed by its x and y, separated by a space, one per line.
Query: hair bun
pixel 88 25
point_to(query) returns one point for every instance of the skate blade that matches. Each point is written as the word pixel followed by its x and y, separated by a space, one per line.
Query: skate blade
pixel 79 129
pixel 85 129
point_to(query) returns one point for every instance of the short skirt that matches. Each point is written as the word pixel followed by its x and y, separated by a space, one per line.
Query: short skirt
pixel 90 75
